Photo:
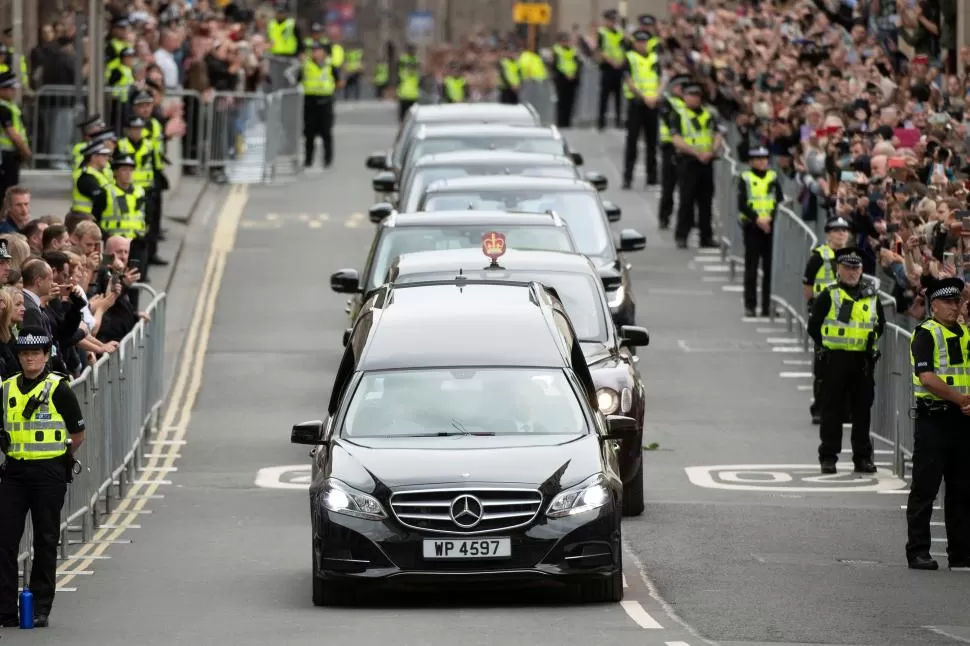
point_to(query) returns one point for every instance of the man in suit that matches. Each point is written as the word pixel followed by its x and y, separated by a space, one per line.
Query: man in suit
pixel 38 278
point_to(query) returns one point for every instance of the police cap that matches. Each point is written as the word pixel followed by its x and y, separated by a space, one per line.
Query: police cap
pixel 8 80
pixel 693 88
pixel 838 223
pixel 316 27
pixel 121 22
pixel 945 289
pixel 95 148
pixel 679 79
pixel 4 251
pixel 849 256
pixel 318 45
pixel 33 338
pixel 126 52
pixel 758 153
pixel 647 20
pixel 123 160
pixel 136 122
pixel 610 14
pixel 142 97
pixel 641 35
pixel 103 135
pixel 94 121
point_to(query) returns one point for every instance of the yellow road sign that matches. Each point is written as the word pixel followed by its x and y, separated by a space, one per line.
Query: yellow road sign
pixel 532 13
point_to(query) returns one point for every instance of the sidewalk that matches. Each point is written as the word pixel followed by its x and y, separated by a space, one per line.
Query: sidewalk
pixel 51 195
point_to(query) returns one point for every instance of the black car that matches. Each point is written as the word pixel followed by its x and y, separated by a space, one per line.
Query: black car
pixel 454 113
pixel 574 201
pixel 619 388
pixel 408 232
pixel 430 168
pixel 462 446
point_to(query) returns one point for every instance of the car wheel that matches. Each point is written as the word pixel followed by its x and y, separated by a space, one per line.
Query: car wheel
pixel 609 590
pixel 330 593
pixel 633 494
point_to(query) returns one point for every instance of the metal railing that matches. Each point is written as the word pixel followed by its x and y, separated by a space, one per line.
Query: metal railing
pixel 121 397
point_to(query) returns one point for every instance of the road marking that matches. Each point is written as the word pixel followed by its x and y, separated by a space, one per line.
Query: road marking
pixel 295 476
pixel 715 279
pixel 797 362
pixel 272 216
pixel 756 319
pixel 625 584
pixel 253 224
pixel 188 383
pixel 717 268
pixel 683 345
pixel 935 507
pixel 789 478
pixel 642 618
pixel 708 258
pixel 795 375
pixel 709 252
pixel 782 340
pixel 787 348
pixel 940 631
pixel 356 220
pixel 679 292
pixel 732 288
pixel 804 387
pixel 770 330
pixel 314 224
pixel 676 644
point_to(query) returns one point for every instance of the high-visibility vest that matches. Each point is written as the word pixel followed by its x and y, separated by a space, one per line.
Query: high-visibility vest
pixel 643 71
pixel 14 58
pixel 76 153
pixel 532 66
pixel 955 371
pixel 282 37
pixel 381 74
pixel 612 42
pixel 510 77
pixel 408 79
pixel 849 325
pixel 455 89
pixel 318 79
pixel 825 275
pixel 82 203
pixel 701 135
pixel 355 59
pixel 6 143
pixel 677 104
pixel 761 198
pixel 566 62
pixel 124 215
pixel 652 44
pixel 120 88
pixel 44 435
pixel 144 155
pixel 155 133
pixel 337 55
pixel 117 46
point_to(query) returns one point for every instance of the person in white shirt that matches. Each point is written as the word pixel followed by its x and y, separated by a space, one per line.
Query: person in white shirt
pixel 169 42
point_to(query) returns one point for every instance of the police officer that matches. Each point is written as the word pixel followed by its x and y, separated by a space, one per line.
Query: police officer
pixel 531 66
pixel 317 35
pixel 119 77
pixel 609 51
pixel 283 34
pixel 42 430
pixel 381 78
pixel 143 105
pixel 819 274
pixel 118 39
pixel 124 214
pixel 89 127
pixel 759 194
pixel 319 81
pixel 847 321
pixel 92 189
pixel 14 146
pixel 351 71
pixel 509 74
pixel 642 91
pixel 648 23
pixel 408 82
pixel 672 102
pixel 454 85
pixel 696 138
pixel 106 138
pixel 566 76
pixel 10 61
pixel 940 353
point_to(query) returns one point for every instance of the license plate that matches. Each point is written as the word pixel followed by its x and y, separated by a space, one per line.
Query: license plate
pixel 469 548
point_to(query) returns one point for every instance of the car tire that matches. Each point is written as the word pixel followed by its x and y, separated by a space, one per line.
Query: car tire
pixel 633 494
pixel 330 593
pixel 609 590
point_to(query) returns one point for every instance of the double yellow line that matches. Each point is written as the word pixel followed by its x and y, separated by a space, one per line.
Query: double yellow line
pixel 178 413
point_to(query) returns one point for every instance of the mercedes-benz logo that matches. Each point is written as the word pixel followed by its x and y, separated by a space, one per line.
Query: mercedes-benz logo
pixel 466 511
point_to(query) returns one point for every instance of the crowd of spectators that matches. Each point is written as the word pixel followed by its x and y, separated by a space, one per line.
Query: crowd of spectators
pixel 60 276
pixel 865 106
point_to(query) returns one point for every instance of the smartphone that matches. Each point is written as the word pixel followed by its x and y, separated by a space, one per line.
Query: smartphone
pixel 107 259
pixel 848 176
pixel 134 263
pixel 948 258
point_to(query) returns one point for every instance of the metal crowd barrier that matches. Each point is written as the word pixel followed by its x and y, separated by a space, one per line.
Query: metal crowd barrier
pixel 794 240
pixel 121 398
pixel 225 131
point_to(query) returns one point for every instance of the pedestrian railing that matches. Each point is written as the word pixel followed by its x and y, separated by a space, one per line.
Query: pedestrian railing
pixel 121 397
pixel 793 242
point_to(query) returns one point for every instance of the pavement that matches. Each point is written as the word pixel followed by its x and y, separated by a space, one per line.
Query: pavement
pixel 742 542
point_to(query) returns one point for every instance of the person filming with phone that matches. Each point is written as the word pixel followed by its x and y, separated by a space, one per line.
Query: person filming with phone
pixel 123 315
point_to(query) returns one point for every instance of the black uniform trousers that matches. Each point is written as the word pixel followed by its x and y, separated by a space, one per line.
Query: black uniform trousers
pixel 611 84
pixel 941 452
pixel 9 172
pixel 508 96
pixel 403 105
pixel 352 88
pixel 757 250
pixel 818 372
pixel 640 119
pixel 696 181
pixel 317 122
pixel 668 179
pixel 565 101
pixel 38 486
pixel 139 253
pixel 153 220
pixel 847 376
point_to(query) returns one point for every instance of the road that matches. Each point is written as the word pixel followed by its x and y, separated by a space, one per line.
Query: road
pixel 753 550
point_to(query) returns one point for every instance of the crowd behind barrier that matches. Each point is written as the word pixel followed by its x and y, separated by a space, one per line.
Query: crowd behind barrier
pixel 121 397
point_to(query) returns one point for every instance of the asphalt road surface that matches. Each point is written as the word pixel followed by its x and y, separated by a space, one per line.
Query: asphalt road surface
pixel 741 542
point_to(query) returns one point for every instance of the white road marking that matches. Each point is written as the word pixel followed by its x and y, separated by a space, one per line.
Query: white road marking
pixel 804 387
pixel 770 330
pixel 787 348
pixel 939 631
pixel 709 252
pixel 714 279
pixel 708 258
pixel 732 288
pixel 905 491
pixel 935 507
pixel 881 451
pixel 676 644
pixel 683 345
pixel 625 584
pixel 717 268
pixel 795 375
pixel 640 616
pixel 679 292
pixel 797 362
pixel 355 220
pixel 272 477
pixel 781 340
pixel 756 319
pixel 730 477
